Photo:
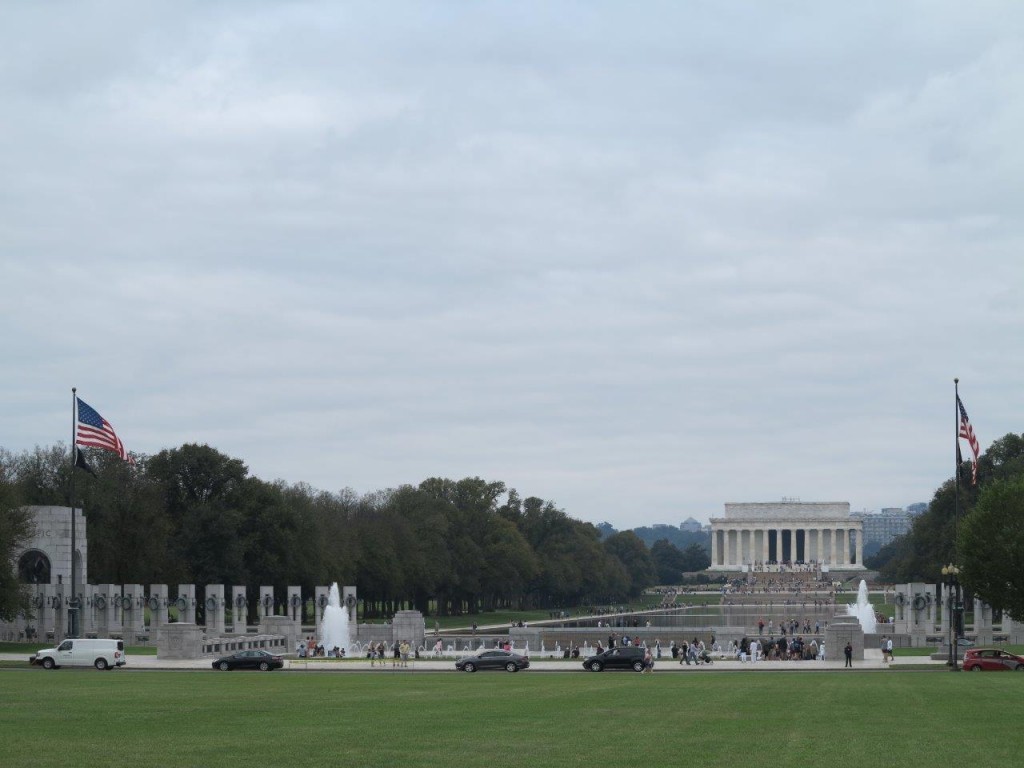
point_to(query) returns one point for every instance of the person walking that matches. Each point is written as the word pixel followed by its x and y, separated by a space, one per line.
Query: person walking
pixel 848 652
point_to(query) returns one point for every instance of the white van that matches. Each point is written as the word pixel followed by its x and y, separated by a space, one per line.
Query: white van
pixel 82 652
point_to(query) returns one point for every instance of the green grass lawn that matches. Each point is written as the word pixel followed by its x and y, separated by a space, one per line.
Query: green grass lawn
pixel 837 718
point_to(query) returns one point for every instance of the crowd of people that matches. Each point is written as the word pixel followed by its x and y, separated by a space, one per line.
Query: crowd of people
pixel 772 649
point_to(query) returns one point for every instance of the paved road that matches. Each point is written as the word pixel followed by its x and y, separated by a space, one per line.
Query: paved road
pixel 872 660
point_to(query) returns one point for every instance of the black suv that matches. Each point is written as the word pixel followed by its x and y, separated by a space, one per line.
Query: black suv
pixel 626 657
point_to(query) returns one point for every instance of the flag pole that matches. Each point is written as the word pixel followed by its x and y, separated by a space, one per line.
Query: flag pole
pixel 954 569
pixel 956 439
pixel 73 604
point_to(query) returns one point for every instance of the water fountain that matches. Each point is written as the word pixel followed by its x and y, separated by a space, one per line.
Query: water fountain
pixel 334 631
pixel 863 610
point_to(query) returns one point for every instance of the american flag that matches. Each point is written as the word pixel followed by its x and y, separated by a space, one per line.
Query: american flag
pixel 95 432
pixel 967 433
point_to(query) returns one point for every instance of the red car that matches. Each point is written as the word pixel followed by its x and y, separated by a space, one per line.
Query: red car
pixel 977 659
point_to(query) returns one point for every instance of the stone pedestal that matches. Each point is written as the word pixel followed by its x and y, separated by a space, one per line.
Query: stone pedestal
pixel 282 626
pixel 180 641
pixel 840 631
pixel 408 626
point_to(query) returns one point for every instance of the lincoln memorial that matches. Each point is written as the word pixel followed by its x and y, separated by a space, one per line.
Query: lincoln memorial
pixel 788 533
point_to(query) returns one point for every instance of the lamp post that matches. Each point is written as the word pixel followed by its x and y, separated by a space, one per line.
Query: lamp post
pixel 951 574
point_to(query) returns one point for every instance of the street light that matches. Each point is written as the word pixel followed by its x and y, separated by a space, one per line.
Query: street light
pixel 951 575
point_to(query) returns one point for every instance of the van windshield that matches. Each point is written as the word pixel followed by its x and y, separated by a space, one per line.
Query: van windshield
pixel 65 646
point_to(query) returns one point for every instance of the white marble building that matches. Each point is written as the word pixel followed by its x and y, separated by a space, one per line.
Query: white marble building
pixel 791 532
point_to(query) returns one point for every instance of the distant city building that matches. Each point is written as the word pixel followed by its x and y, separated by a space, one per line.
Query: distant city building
pixel 917 509
pixel 691 526
pixel 880 528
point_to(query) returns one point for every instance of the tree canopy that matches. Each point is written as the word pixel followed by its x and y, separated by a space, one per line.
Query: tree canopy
pixel 978 530
pixel 194 515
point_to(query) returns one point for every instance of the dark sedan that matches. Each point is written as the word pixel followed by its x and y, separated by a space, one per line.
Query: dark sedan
pixel 979 659
pixel 260 660
pixel 628 657
pixel 494 659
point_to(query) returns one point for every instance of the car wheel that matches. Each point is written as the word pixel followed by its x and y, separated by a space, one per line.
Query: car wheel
pixel 264 667
pixel 470 667
pixel 638 666
pixel 100 664
pixel 48 663
pixel 975 669
pixel 224 666
pixel 511 667
pixel 595 666
pixel 1019 668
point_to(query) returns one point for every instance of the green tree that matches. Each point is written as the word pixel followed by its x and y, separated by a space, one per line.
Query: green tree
pixel 696 558
pixel 991 546
pixel 15 530
pixel 668 561
pixel 204 492
pixel 627 547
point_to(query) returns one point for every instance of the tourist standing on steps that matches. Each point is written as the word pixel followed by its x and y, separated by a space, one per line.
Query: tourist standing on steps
pixel 848 652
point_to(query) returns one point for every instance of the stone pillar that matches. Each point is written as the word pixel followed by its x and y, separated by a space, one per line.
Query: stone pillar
pixel 186 603
pixel 834 549
pixel 321 603
pixel 350 600
pixel 295 604
pixel 110 618
pixel 239 610
pixel 983 622
pixel 714 546
pixel 157 604
pixel 88 612
pixel 133 613
pixel 46 622
pixel 266 602
pixel 765 538
pixel 214 608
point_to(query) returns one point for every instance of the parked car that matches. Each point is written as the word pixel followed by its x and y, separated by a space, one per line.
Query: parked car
pixel 626 657
pixel 493 659
pixel 261 660
pixel 102 653
pixel 978 659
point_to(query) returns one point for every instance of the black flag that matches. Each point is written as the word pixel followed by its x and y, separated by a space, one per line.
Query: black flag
pixel 81 462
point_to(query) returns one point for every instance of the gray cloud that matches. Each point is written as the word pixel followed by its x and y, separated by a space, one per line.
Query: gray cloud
pixel 640 260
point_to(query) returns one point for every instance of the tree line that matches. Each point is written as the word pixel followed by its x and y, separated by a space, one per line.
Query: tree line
pixel 194 515
pixel 979 528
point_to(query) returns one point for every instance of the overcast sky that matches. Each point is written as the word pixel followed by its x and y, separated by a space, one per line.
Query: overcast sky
pixel 639 259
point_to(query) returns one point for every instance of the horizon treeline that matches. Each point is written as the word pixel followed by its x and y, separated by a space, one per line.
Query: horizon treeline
pixel 194 515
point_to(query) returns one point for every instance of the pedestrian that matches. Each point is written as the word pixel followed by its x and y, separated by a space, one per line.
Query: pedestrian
pixel 848 652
